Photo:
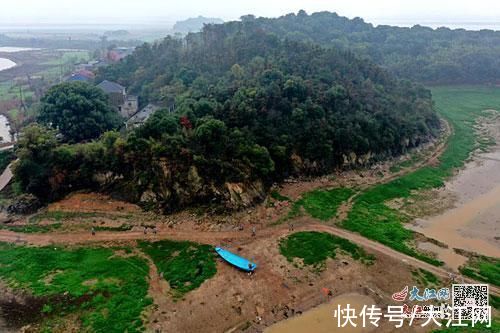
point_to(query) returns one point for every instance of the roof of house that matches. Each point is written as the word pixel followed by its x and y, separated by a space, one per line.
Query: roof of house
pixel 111 87
pixel 86 73
pixel 143 114
pixel 79 78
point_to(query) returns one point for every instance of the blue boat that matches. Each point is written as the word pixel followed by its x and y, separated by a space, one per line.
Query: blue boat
pixel 235 260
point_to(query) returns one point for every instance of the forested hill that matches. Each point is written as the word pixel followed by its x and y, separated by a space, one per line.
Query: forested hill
pixel 195 24
pixel 418 53
pixel 251 107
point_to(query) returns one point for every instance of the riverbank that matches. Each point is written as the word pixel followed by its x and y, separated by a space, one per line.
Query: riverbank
pixel 322 320
pixel 472 222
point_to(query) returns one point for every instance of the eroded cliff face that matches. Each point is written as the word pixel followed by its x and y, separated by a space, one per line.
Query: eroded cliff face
pixel 167 185
pixel 170 187
pixel 173 189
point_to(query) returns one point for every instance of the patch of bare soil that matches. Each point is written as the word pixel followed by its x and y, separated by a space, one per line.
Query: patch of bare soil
pixel 277 291
pixel 18 309
pixel 93 203
pixel 425 203
pixel 23 312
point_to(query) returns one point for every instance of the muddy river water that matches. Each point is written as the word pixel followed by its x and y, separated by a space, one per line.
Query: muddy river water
pixel 474 223
pixel 321 319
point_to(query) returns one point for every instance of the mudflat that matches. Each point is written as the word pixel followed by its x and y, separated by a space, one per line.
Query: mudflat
pixel 473 224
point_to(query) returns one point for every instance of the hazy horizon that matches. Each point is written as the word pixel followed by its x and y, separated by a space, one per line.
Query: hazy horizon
pixel 33 13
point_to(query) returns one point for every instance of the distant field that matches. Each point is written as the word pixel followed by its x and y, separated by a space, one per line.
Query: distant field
pixel 48 65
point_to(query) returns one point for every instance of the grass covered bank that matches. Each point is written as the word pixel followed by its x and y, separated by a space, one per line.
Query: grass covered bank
pixel 185 265
pixel 461 107
pixel 321 204
pixel 97 289
pixel 313 248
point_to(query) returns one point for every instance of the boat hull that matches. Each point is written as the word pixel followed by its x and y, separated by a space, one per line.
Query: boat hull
pixel 235 260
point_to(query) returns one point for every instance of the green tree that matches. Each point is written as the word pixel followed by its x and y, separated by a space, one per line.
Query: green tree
pixel 35 151
pixel 79 111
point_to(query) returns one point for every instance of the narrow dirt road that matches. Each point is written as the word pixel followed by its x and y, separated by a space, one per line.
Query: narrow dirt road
pixel 6 177
pixel 215 238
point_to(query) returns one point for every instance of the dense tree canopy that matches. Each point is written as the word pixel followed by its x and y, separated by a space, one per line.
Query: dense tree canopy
pixel 418 53
pixel 243 109
pixel 78 110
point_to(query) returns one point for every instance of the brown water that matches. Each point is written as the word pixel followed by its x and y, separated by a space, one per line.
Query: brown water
pixel 474 224
pixel 321 319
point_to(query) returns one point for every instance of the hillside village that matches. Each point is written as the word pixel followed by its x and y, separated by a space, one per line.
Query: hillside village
pixel 126 105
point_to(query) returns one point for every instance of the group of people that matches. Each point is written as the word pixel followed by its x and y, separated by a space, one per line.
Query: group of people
pixel 155 230
pixel 240 227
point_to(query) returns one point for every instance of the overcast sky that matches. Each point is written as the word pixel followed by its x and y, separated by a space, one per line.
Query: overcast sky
pixel 122 11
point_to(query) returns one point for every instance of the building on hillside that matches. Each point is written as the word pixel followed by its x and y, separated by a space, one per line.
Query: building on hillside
pixel 142 116
pixel 124 104
pixel 75 77
pixel 116 92
pixel 119 53
pixel 129 107
pixel 91 65
pixel 82 76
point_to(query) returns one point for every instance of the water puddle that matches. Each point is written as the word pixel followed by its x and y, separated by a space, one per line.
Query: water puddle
pixel 321 319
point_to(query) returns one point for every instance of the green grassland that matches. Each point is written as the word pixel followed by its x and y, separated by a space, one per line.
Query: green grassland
pixel 483 269
pixel 321 204
pixel 425 278
pixel 69 57
pixel 107 291
pixel 185 265
pixel 315 247
pixel 106 288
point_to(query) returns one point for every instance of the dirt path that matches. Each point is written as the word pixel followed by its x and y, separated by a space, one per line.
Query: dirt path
pixel 6 177
pixel 432 159
pixel 215 238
